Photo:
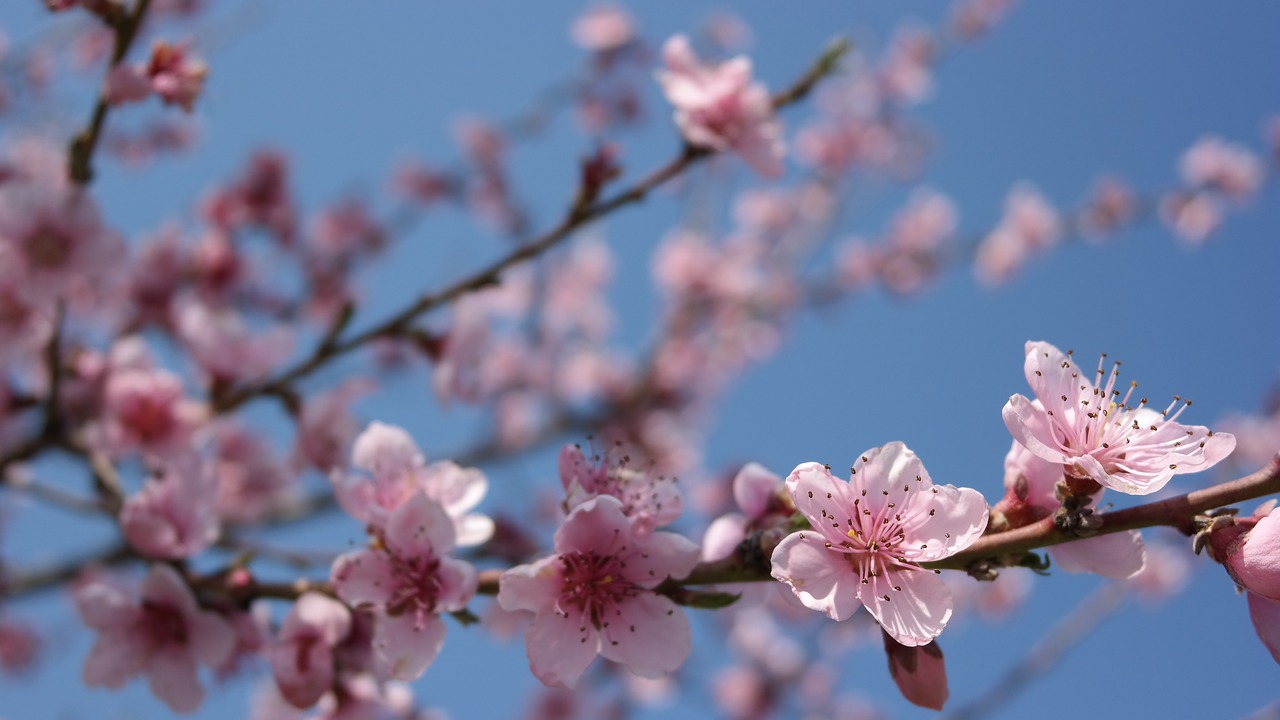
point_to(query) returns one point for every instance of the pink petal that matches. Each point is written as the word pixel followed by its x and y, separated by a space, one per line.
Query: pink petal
pixel 163 587
pixel 662 555
pixel 597 525
pixel 1049 371
pixel 172 677
pixel 363 578
pixel 913 606
pixel 211 638
pixel 723 536
pixel 458 581
pixel 1257 565
pixel 1265 613
pixel 650 636
pixel 753 486
pixel 1118 556
pixel 103 607
pixel 420 528
pixel 821 498
pixel 406 647
pixel 560 648
pixel 823 579
pixel 114 658
pixel 384 449
pixel 321 614
pixel 302 673
pixel 960 516
pixel 886 469
pixel 534 587
pixel 355 495
pixel 473 529
pixel 1029 425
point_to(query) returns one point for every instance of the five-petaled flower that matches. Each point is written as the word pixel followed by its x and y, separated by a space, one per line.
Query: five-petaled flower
pixel 869 537
pixel 595 596
pixel 1094 433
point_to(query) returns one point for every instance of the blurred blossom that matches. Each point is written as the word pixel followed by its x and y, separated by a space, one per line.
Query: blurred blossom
pixel 1214 163
pixel 603 27
pixel 1192 216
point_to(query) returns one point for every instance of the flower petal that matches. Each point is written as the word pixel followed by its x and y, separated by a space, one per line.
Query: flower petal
pixel 822 498
pixel 662 555
pixel 172 677
pixel 911 605
pixel 650 636
pixel 823 579
pixel 752 488
pixel 407 643
pixel 560 648
pixel 1027 422
pixel 1265 614
pixel 420 528
pixel 958 519
pixel 532 587
pixel 363 578
pixel 599 517
pixel 1118 556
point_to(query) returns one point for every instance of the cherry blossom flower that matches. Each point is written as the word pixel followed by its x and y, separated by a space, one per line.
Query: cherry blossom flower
pixel 593 597
pixel 174 514
pixel 719 107
pixel 224 347
pixel 146 410
pixel 302 656
pixel 400 471
pixel 1094 433
pixel 170 73
pixel 1029 482
pixel 1227 167
pixel 260 197
pixel 407 584
pixel 653 500
pixel 52 240
pixel 869 536
pixel 163 634
pixel 252 481
pixel 1249 549
pixel 326 427
pixel 604 27
pixel 765 505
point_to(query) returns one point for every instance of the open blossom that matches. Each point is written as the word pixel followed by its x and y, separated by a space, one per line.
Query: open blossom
pixel 407 585
pixel 654 500
pixel 400 471
pixel 719 107
pixel 603 28
pixel 1228 167
pixel 1250 551
pixel 594 596
pixel 146 409
pixel 163 634
pixel 302 656
pixel 1093 432
pixel 869 537
pixel 224 347
pixel 174 515
pixel 1029 483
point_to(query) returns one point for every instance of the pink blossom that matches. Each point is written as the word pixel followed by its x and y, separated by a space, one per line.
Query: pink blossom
pixel 52 240
pixel 1093 432
pixel 1249 549
pixel 604 27
pixel 173 516
pixel 1029 482
pixel 25 325
pixel 1192 216
pixel 407 584
pixel 302 656
pixel 972 18
pixel 593 597
pixel 163 635
pixel 260 197
pixel 146 410
pixel 869 536
pixel 170 73
pixel 760 496
pixel 326 427
pixel 1230 168
pixel 1029 225
pixel 399 471
pixel 652 500
pixel 251 480
pixel 906 73
pixel 719 107
pixel 1111 205
pixel 919 672
pixel 224 347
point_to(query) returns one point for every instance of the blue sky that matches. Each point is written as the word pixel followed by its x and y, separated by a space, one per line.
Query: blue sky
pixel 1058 94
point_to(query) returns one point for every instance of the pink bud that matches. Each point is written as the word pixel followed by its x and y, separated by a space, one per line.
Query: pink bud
pixel 919 672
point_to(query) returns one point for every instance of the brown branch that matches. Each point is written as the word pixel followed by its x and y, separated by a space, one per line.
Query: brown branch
pixel 575 218
pixel 80 154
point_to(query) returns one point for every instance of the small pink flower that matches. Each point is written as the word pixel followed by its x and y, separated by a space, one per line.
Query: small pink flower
pixel 302 656
pixel 1029 482
pixel 869 536
pixel 1192 216
pixel 653 500
pixel 719 107
pixel 594 597
pixel 1093 433
pixel 604 27
pixel 765 505
pixel 399 472
pixel 251 480
pixel 225 348
pixel 163 635
pixel 146 410
pixel 407 584
pixel 1227 167
pixel 260 197
pixel 170 73
pixel 174 515
pixel 326 427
